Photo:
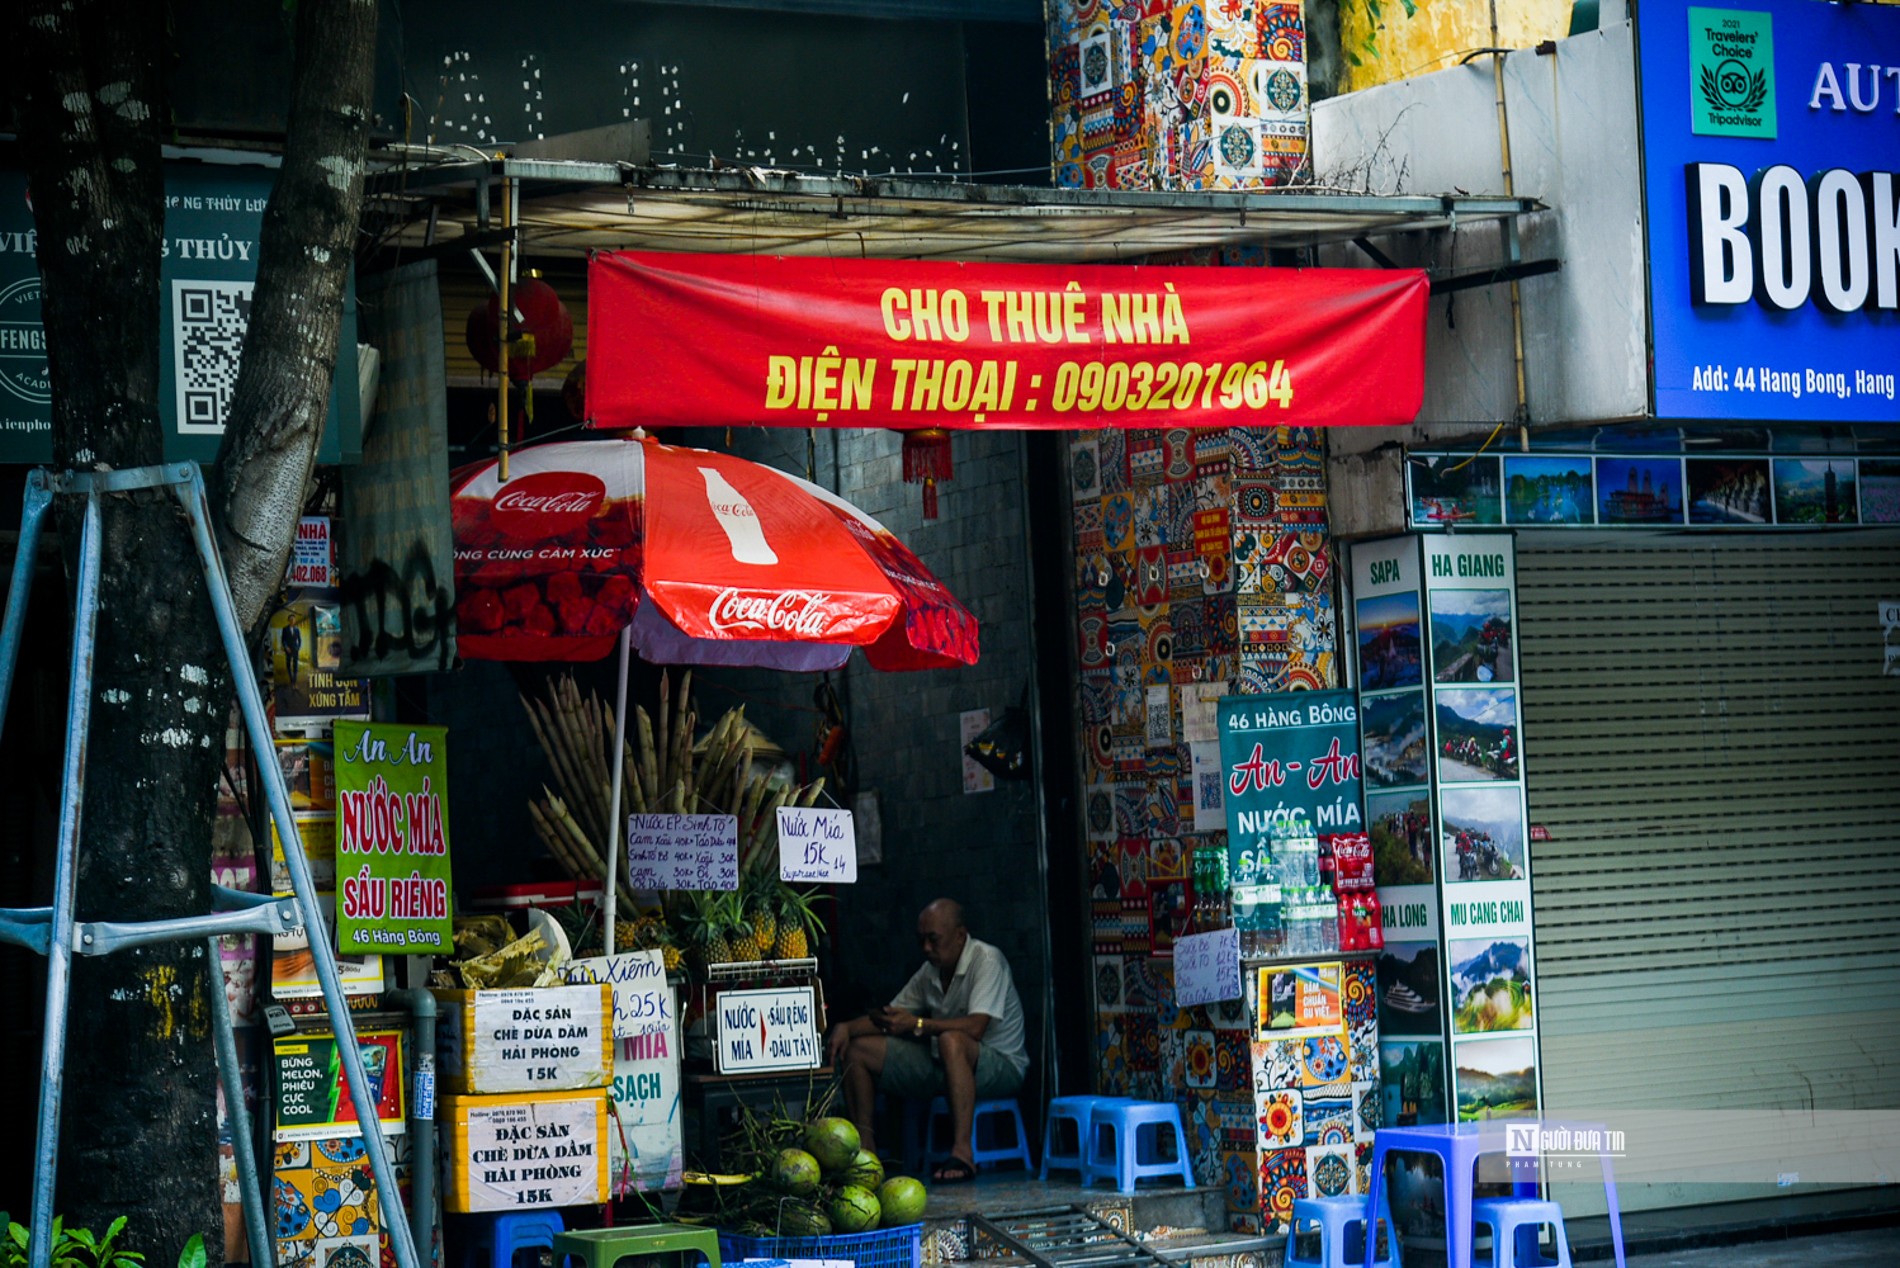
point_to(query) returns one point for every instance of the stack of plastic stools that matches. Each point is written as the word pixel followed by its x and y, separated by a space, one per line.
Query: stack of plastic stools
pixel 1516 1224
pixel 494 1239
pixel 1336 1218
pixel 605 1247
pixel 1073 1110
pixel 986 1145
pixel 1117 1133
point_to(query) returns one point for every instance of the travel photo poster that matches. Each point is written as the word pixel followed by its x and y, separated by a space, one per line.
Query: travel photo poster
pixel 1484 862
pixel 1388 585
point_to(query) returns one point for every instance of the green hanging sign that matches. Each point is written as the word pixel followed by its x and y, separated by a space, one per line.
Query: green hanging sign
pixel 392 839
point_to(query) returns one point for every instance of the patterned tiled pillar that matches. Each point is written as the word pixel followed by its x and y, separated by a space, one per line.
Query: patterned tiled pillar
pixel 1203 568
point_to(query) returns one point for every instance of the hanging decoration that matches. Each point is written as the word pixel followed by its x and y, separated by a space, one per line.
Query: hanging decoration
pixel 927 460
pixel 540 341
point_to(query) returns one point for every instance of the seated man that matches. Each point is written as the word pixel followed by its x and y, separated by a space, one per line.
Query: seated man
pixel 955 1030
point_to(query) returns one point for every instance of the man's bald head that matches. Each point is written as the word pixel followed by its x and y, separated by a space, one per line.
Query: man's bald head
pixel 941 933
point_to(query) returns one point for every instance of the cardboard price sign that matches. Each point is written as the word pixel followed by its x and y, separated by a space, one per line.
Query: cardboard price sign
pixel 644 1154
pixel 392 838
pixel 816 845
pixel 1207 967
pixel 546 1037
pixel 683 851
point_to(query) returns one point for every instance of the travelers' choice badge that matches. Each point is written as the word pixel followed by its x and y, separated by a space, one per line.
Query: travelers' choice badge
pixel 1731 73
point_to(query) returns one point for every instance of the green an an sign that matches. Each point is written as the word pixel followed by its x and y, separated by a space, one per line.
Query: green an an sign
pixel 392 839
pixel 1732 73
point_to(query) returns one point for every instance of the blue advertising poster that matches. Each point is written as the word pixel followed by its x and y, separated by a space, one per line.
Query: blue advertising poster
pixel 213 214
pixel 1772 182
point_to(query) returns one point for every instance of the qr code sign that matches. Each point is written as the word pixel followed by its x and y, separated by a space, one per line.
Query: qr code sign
pixel 208 322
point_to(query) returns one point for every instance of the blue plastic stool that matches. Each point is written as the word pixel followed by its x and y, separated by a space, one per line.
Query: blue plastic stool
pixel 1458 1147
pixel 998 1113
pixel 1515 1225
pixel 1337 1218
pixel 494 1239
pixel 1073 1110
pixel 1117 1133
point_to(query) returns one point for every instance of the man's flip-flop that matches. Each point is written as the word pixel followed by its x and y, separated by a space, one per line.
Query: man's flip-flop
pixel 953 1171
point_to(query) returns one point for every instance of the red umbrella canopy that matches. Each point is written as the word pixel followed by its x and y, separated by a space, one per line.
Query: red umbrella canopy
pixel 710 558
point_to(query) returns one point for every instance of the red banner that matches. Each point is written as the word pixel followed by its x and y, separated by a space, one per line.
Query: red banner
pixel 715 340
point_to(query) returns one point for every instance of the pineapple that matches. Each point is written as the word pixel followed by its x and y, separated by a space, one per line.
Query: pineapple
pixel 706 925
pixel 756 897
pixel 796 922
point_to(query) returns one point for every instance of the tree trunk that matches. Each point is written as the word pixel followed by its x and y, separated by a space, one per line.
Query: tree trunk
pixel 304 255
pixel 139 1110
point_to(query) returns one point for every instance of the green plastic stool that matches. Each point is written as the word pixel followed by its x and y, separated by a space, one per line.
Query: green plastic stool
pixel 606 1247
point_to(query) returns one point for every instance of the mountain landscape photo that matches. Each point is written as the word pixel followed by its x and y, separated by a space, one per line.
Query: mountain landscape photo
pixel 1491 985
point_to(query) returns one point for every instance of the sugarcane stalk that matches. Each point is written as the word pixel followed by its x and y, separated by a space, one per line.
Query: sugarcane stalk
pixel 557 842
pixel 649 775
pixel 586 850
pixel 665 745
pixel 559 752
pixel 568 728
pixel 811 792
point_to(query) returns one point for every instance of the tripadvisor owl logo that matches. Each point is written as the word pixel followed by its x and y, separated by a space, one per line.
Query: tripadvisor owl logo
pixel 1731 73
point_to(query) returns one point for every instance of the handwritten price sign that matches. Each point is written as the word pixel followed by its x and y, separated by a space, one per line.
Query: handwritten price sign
pixel 1207 967
pixel 683 851
pixel 817 845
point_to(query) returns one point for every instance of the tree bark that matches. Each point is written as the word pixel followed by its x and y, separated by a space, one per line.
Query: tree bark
pixel 139 1109
pixel 304 254
pixel 139 1112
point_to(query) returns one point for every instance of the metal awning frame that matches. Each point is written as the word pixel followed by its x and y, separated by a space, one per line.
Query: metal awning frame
pixel 571 208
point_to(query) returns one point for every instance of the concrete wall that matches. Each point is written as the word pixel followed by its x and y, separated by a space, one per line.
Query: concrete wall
pixel 1574 142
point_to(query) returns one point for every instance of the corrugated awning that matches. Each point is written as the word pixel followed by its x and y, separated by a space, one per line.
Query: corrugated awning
pixel 572 208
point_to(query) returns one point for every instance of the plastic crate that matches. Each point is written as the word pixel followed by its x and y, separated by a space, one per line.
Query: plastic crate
pixel 900 1247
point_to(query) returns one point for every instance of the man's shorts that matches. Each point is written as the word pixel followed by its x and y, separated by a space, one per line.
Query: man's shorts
pixel 911 1070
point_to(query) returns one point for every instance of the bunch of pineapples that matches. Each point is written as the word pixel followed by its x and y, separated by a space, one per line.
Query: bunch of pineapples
pixel 649 933
pixel 764 919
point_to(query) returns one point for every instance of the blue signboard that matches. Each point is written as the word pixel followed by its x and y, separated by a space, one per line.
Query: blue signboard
pixel 213 215
pixel 1772 180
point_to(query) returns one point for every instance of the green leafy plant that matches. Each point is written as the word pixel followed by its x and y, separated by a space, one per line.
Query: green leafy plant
pixel 81 1248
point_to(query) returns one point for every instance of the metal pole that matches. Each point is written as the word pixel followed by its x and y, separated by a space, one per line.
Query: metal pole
pixel 59 949
pixel 250 1192
pixel 611 904
pixel 20 587
pixel 197 511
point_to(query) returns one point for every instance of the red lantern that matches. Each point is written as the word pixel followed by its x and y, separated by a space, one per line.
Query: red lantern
pixel 540 340
pixel 927 459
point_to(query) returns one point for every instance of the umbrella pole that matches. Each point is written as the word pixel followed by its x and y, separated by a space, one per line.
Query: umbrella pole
pixel 619 766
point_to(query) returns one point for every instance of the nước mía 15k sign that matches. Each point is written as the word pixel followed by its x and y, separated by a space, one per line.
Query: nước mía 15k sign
pixel 1771 170
pixel 392 839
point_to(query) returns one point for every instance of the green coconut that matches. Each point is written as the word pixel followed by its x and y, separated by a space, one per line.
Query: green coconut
pixel 801 1219
pixel 902 1200
pixel 833 1141
pixel 796 1172
pixel 855 1209
pixel 865 1171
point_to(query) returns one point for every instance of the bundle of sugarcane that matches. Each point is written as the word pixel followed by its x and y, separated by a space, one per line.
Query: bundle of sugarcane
pixel 664 772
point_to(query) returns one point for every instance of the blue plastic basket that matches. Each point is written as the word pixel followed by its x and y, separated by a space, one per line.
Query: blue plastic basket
pixel 900 1247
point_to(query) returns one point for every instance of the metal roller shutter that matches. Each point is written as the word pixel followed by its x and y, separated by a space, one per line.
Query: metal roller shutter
pixel 1716 754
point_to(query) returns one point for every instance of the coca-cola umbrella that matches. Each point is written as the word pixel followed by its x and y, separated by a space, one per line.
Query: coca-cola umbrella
pixel 688 557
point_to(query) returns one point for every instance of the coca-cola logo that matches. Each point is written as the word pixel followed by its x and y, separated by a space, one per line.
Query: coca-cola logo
pixel 784 613
pixel 547 503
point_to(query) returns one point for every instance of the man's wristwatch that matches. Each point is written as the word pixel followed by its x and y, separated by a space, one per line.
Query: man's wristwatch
pixel 920 1026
